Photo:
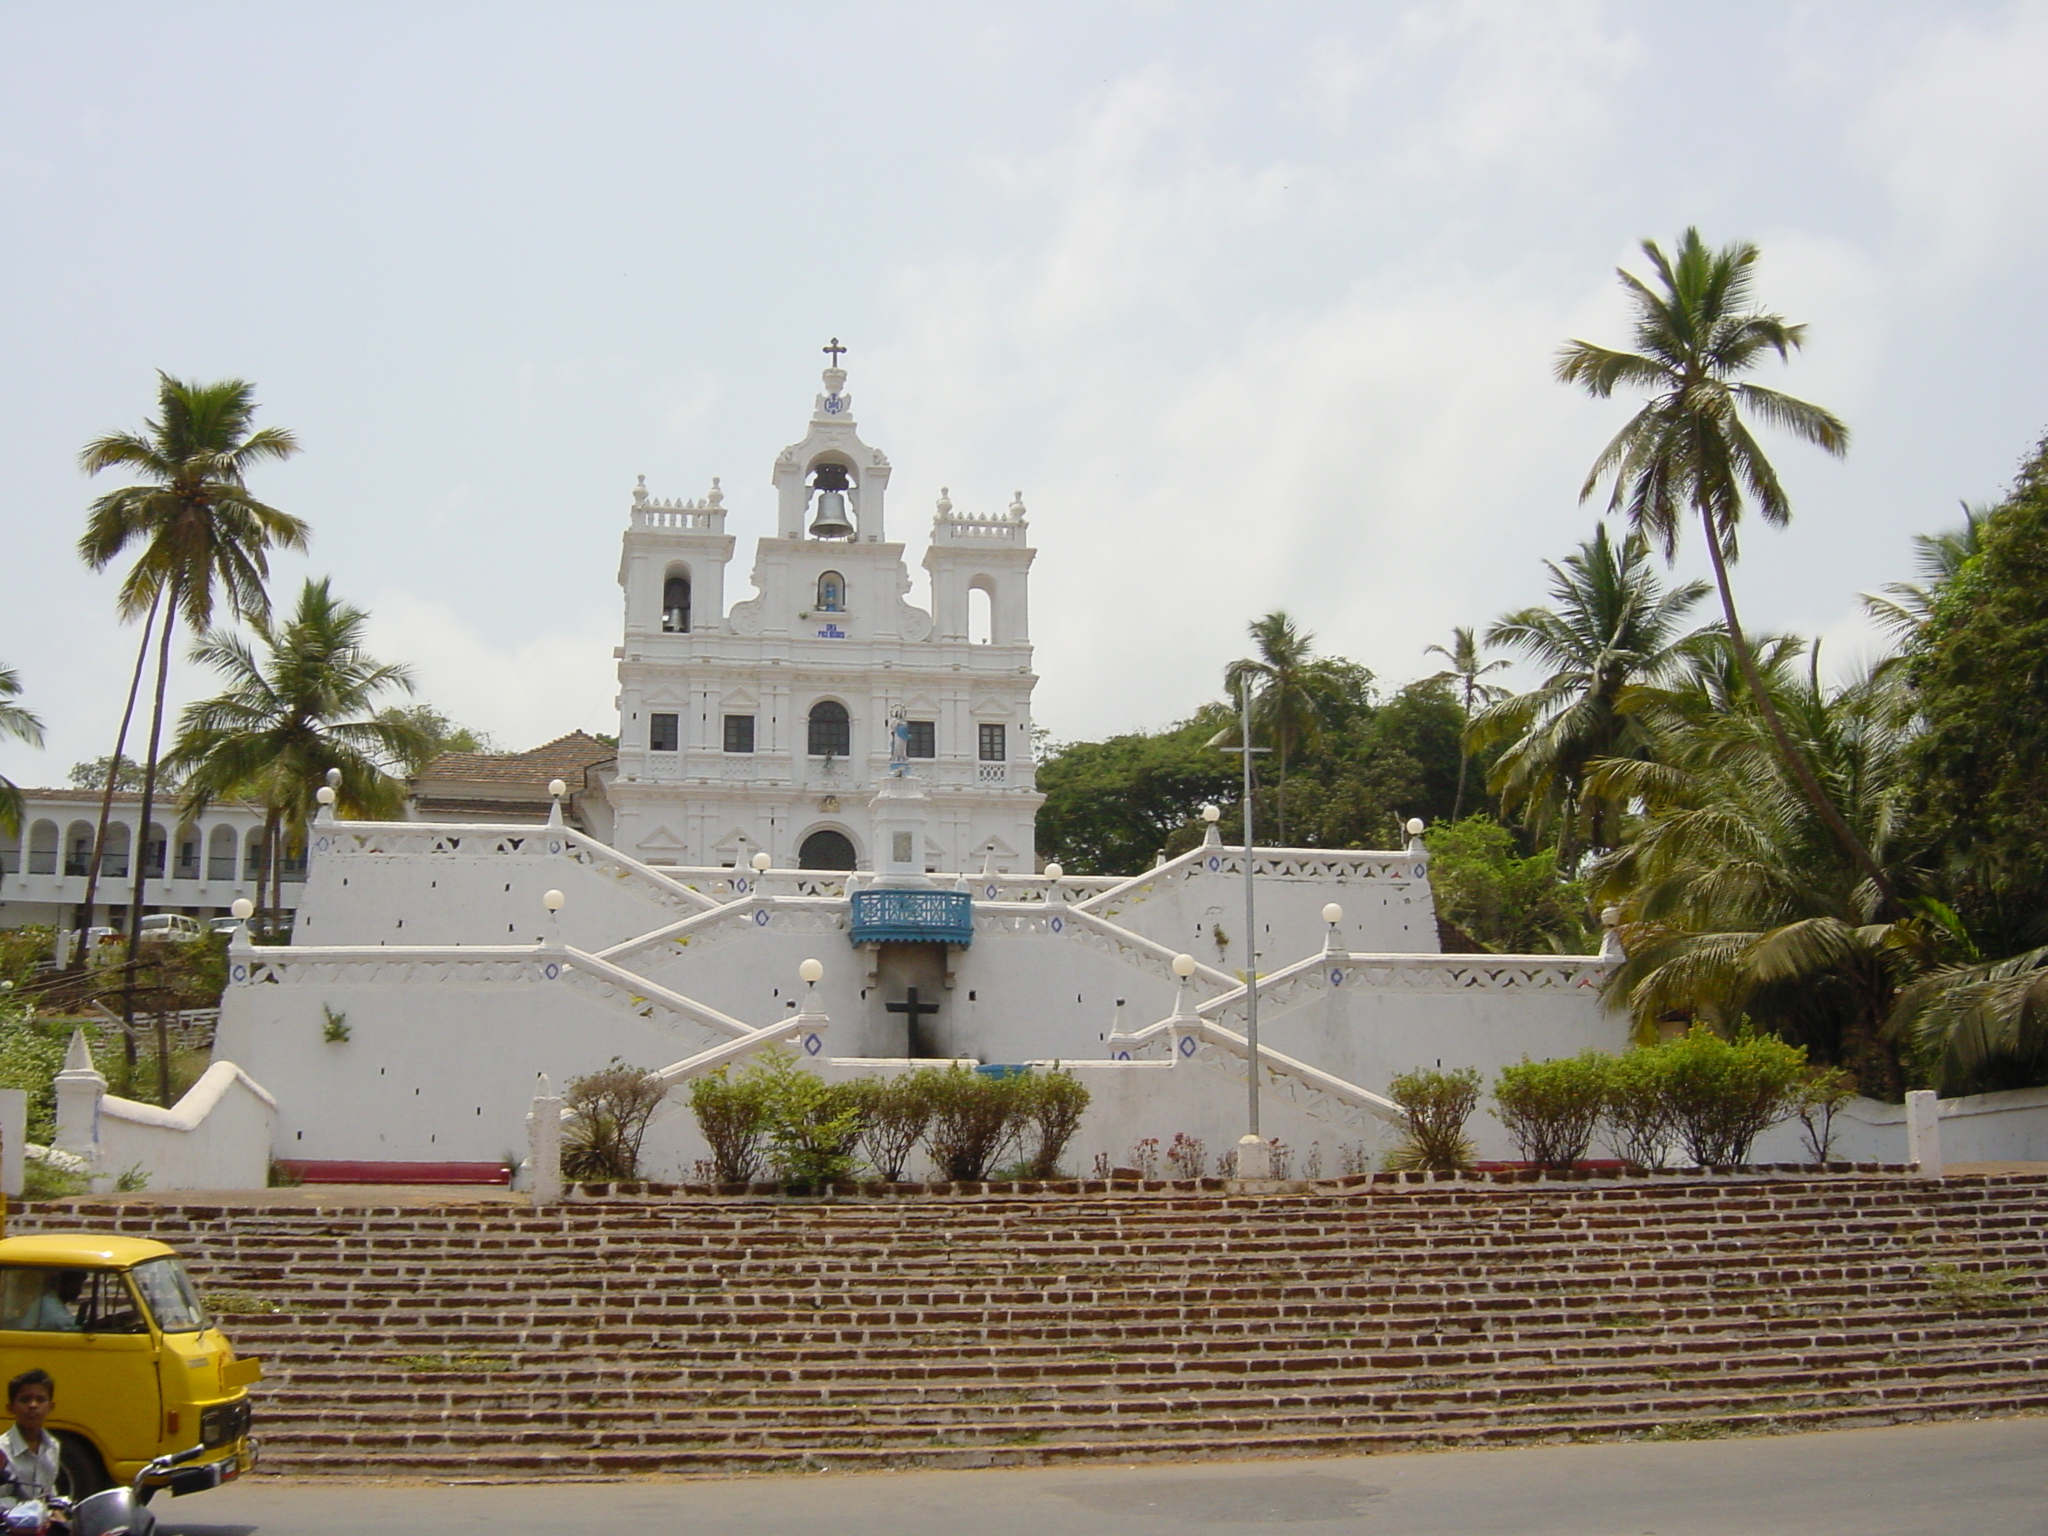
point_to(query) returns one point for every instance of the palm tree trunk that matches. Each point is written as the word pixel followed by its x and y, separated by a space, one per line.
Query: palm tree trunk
pixel 277 871
pixel 99 838
pixel 1794 758
pixel 141 845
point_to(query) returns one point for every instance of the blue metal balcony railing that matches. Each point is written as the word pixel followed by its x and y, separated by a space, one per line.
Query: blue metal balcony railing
pixel 913 917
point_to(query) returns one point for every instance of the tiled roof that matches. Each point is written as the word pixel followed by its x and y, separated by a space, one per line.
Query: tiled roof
pixel 566 757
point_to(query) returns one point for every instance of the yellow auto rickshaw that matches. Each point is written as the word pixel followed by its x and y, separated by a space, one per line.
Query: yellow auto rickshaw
pixel 140 1369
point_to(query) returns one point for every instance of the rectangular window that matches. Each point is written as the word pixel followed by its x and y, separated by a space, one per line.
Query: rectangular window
pixel 923 740
pixel 995 743
pixel 661 733
pixel 739 733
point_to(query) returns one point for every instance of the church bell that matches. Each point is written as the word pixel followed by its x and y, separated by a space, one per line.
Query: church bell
pixel 831 521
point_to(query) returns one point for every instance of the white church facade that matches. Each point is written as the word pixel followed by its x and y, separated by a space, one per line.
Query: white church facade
pixel 823 771
pixel 762 727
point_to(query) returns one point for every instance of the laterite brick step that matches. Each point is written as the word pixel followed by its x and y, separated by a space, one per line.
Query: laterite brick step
pixel 751 1333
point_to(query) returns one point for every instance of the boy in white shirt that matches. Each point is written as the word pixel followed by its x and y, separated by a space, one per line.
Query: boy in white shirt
pixel 29 1449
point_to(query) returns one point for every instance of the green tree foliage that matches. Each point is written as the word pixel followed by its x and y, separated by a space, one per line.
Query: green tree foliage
pixel 1467 669
pixel 94 775
pixel 429 733
pixel 1743 909
pixel 1511 904
pixel 1980 681
pixel 17 722
pixel 1110 806
pixel 297 704
pixel 1612 628
pixel 1689 449
pixel 1293 693
pixel 196 531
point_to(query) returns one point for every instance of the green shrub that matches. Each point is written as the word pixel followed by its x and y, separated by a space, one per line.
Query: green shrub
pixel 608 1114
pixel 1638 1112
pixel 43 1181
pixel 1820 1097
pixel 733 1116
pixel 1723 1094
pixel 975 1118
pixel 812 1126
pixel 1551 1108
pixel 23 949
pixel 895 1112
pixel 1050 1105
pixel 1434 1108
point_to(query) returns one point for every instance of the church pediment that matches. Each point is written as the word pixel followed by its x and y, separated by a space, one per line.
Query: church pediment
pixel 661 840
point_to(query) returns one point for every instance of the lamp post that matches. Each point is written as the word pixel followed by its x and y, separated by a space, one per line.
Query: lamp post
pixel 1252 1138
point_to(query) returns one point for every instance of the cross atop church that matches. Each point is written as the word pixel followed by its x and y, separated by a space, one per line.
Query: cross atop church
pixel 835 351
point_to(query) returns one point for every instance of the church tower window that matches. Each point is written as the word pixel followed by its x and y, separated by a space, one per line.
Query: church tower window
pixel 923 740
pixel 831 593
pixel 662 735
pixel 675 605
pixel 739 733
pixel 995 746
pixel 831 730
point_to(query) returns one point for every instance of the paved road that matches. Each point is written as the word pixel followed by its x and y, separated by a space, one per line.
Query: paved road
pixel 1987 1478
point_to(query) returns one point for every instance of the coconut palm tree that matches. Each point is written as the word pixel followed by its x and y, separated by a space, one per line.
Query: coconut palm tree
pixel 17 722
pixel 1293 693
pixel 1612 628
pixel 1908 606
pixel 1742 906
pixel 1689 448
pixel 298 703
pixel 1466 669
pixel 198 532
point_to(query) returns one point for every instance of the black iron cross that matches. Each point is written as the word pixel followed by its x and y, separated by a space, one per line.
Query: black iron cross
pixel 916 1010
pixel 835 350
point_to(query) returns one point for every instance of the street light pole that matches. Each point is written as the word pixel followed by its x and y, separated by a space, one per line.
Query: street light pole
pixel 1251 918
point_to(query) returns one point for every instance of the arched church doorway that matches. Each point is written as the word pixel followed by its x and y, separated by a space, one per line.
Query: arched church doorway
pixel 825 849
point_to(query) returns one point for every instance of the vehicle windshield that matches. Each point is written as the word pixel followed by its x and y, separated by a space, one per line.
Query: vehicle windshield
pixel 170 1296
pixel 39 1299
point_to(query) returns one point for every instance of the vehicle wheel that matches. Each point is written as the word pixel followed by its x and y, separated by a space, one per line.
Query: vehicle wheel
pixel 80 1472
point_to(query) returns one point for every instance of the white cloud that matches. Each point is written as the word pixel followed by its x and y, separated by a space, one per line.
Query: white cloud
pixel 1960 136
pixel 523 693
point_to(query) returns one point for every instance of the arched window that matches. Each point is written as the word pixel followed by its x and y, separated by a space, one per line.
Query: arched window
pixel 831 731
pixel 220 854
pixel 78 848
pixel 831 593
pixel 825 849
pixel 981 613
pixel 675 605
pixel 42 848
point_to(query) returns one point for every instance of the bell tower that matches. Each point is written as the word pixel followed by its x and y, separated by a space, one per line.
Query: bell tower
pixel 832 485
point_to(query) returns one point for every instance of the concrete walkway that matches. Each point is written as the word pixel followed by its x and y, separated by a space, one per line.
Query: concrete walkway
pixel 1983 1478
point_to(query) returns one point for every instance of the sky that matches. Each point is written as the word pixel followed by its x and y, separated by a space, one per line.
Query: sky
pixel 1257 305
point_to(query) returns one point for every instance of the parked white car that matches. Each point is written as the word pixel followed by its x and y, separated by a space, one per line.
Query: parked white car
pixel 171 927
